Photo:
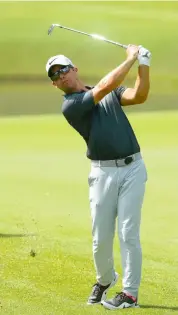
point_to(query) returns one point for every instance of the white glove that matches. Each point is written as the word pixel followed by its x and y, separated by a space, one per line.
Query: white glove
pixel 144 56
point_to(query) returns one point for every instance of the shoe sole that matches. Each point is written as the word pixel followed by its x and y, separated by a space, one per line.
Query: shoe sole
pixel 111 307
pixel 106 291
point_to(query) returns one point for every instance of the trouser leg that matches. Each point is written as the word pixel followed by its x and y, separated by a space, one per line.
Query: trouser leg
pixel 129 215
pixel 103 203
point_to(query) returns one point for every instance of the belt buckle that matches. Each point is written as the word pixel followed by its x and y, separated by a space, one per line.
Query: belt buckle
pixel 128 160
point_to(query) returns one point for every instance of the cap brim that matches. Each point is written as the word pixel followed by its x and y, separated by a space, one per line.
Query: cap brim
pixel 54 64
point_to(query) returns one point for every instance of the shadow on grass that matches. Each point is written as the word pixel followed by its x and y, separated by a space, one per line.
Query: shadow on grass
pixel 16 235
pixel 160 307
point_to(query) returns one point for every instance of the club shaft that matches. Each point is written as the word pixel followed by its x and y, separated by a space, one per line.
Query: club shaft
pixel 84 33
pixel 115 43
pixel 73 30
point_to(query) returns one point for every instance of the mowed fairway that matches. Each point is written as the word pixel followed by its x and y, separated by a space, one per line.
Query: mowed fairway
pixel 44 207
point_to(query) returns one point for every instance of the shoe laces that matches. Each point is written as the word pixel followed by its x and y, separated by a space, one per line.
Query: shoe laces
pixel 120 296
pixel 96 288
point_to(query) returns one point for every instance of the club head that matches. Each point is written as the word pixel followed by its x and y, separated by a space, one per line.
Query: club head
pixel 51 29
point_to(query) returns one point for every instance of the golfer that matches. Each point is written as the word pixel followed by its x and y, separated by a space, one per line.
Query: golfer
pixel 118 174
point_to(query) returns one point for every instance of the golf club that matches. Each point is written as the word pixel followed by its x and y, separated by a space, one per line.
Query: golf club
pixel 95 36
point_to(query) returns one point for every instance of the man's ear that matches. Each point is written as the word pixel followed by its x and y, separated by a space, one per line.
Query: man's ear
pixel 75 69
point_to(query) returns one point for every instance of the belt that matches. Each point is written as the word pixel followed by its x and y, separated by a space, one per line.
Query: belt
pixel 118 162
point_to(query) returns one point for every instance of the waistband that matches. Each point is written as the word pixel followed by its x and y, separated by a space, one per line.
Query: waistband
pixel 119 162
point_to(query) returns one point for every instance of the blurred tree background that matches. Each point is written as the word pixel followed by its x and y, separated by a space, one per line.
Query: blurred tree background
pixel 25 48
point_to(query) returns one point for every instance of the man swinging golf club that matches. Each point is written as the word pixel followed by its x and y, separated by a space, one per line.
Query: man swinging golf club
pixel 118 174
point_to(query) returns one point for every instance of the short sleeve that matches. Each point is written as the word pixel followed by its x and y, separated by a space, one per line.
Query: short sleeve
pixel 119 91
pixel 78 105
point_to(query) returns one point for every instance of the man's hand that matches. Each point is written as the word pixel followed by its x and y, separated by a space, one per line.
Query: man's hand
pixel 144 56
pixel 132 52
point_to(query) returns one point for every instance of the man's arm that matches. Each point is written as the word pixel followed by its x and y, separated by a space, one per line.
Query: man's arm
pixel 139 93
pixel 115 77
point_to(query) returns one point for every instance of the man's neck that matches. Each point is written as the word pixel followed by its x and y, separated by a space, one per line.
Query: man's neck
pixel 80 87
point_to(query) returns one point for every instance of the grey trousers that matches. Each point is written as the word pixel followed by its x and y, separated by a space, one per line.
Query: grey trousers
pixel 117 192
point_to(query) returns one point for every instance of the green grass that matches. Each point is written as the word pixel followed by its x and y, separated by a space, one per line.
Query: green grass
pixel 44 196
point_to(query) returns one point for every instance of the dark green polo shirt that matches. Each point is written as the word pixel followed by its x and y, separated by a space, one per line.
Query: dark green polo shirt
pixel 104 127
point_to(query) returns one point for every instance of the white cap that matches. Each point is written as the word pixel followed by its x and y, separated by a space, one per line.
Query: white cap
pixel 58 60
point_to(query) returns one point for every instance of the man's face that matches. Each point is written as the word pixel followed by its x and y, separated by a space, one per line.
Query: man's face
pixel 65 81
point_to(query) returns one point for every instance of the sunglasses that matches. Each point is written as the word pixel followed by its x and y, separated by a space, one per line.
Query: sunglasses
pixel 56 75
